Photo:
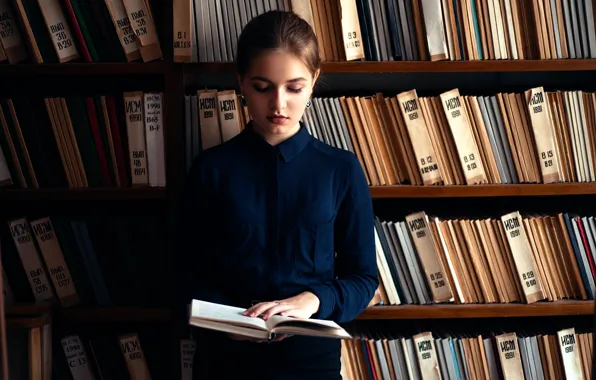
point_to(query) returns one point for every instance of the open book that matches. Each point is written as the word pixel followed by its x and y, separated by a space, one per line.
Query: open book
pixel 230 319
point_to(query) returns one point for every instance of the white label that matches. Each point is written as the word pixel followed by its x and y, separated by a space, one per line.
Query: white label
pixel 30 259
pixel 570 354
pixel 431 262
pixel 522 253
pixel 59 30
pixel 53 256
pixel 9 32
pixel 543 134
pixel 509 353
pixel 187 353
pixel 135 125
pixel 418 132
pixel 123 27
pixel 140 21
pixel 76 358
pixel 464 139
pixel 154 137
pixel 133 354
pixel 427 356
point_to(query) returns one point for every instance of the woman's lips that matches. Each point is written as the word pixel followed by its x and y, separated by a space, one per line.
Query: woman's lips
pixel 277 119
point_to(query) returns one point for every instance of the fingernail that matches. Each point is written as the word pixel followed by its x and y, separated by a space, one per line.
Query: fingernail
pixel 252 314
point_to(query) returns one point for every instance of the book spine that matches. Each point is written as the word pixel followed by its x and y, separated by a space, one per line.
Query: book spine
pixel 427 253
pixel 10 35
pixel 509 354
pixel 570 354
pixel 467 148
pixel 47 242
pixel 418 132
pixel 187 352
pixel 543 135
pixel 124 30
pixel 37 275
pixel 522 255
pixel 133 102
pixel 134 357
pixel 59 30
pixel 427 356
pixel 77 358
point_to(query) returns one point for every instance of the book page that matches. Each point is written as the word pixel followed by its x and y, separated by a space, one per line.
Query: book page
pixel 202 310
pixel 317 327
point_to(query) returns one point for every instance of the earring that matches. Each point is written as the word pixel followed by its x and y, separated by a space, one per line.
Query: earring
pixel 308 103
pixel 242 100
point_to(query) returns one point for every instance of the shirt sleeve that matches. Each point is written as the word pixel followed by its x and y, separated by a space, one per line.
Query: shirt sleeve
pixel 346 296
pixel 193 262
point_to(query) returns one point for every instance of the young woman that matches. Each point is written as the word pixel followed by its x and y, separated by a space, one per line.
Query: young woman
pixel 277 222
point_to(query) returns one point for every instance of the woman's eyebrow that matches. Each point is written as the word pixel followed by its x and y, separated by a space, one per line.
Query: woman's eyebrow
pixel 269 81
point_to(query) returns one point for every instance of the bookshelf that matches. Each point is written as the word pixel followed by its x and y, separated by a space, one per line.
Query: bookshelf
pixel 369 67
pixel 177 79
pixel 550 309
pixel 482 191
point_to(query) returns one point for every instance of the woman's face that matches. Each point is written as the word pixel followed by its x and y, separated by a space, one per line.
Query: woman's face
pixel 277 87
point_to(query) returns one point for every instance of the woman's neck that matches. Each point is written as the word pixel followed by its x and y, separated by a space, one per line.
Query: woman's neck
pixel 274 138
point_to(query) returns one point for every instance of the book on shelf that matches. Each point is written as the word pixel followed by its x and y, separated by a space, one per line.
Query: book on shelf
pixel 510 258
pixel 97 140
pixel 400 30
pixel 53 31
pixel 552 353
pixel 230 319
pixel 70 262
pixel 535 136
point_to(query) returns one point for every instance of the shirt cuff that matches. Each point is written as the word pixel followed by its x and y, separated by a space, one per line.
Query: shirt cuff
pixel 326 301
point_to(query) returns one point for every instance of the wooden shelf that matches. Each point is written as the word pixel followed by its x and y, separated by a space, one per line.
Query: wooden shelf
pixel 527 190
pixel 447 311
pixel 115 314
pixel 90 314
pixel 74 69
pixel 131 68
pixel 28 309
pixel 427 66
pixel 83 194
pixel 26 322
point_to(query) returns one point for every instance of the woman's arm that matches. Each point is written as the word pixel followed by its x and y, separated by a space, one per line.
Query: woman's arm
pixel 346 296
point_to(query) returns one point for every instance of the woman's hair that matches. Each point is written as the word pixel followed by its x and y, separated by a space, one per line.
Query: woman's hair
pixel 278 30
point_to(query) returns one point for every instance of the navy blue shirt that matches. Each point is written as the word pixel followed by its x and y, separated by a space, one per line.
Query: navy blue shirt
pixel 265 223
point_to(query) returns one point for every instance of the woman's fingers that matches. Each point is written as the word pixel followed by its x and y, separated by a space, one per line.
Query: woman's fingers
pixel 260 308
pixel 279 308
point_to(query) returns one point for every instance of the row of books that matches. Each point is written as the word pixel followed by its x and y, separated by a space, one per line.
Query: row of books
pixel 100 140
pixel 70 262
pixel 510 259
pixel 536 136
pixel 565 354
pixel 394 30
pixel 46 352
pixel 211 117
pixel 54 31
pixel 509 29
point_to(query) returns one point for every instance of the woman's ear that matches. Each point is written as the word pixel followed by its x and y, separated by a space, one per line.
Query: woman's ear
pixel 315 77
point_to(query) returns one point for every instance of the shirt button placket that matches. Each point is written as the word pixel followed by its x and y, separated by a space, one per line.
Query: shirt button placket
pixel 276 218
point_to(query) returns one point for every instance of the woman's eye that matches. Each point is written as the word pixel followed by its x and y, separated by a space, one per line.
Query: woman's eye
pixel 261 89
pixel 295 90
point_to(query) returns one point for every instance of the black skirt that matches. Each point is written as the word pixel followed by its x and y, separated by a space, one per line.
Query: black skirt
pixel 293 358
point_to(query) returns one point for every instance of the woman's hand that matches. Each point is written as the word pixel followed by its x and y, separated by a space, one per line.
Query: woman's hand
pixel 304 305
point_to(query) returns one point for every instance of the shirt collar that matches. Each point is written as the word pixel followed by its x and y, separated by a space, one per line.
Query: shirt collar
pixel 288 149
